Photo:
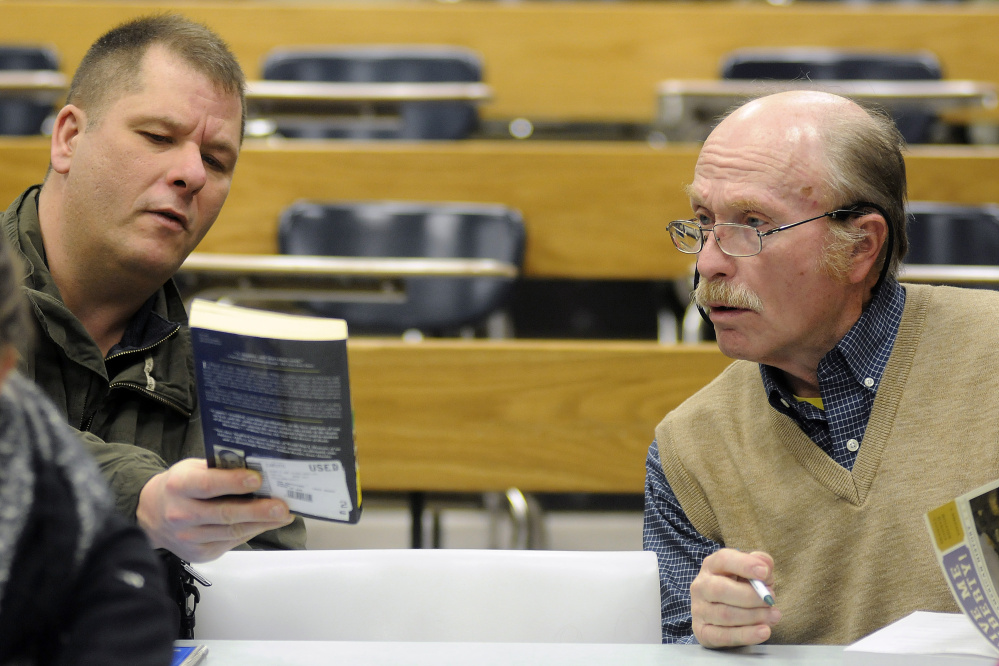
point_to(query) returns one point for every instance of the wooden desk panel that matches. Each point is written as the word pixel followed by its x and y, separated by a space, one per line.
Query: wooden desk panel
pixel 592 210
pixel 468 416
pixel 580 61
pixel 23 162
pixel 958 174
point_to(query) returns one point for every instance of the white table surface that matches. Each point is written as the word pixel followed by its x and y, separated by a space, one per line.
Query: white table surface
pixel 320 653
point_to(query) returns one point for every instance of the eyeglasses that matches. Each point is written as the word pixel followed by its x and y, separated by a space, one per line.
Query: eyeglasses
pixel 735 240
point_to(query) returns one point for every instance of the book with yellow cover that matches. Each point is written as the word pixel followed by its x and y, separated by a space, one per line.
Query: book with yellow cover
pixel 275 397
pixel 965 533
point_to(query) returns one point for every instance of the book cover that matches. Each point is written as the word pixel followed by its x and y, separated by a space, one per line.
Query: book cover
pixel 275 397
pixel 188 655
pixel 965 534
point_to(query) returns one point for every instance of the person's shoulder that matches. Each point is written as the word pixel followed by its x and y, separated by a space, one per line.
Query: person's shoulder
pixel 17 212
pixel 740 381
pixel 950 318
pixel 23 396
pixel 962 305
pixel 30 416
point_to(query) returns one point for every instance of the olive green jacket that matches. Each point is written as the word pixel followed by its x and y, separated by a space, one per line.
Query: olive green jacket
pixel 137 409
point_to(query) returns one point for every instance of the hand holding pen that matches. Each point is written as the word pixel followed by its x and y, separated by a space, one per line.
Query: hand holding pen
pixel 727 609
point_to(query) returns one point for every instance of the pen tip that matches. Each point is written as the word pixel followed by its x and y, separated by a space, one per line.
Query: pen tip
pixel 769 599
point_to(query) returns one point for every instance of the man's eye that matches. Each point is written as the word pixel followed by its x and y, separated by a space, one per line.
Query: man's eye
pixel 156 138
pixel 702 219
pixel 755 222
pixel 213 163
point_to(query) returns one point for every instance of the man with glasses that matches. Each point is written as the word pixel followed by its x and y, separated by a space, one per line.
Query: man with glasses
pixel 802 473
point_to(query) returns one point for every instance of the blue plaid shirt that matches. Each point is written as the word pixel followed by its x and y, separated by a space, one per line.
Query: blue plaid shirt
pixel 849 376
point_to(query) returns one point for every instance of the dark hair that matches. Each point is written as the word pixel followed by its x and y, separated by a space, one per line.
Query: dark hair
pixel 112 65
pixel 865 164
pixel 16 326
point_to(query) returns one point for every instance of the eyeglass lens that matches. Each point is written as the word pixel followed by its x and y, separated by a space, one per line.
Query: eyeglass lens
pixel 738 240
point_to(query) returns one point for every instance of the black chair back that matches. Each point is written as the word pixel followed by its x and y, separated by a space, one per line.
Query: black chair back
pixel 21 115
pixel 433 305
pixel 384 64
pixel 945 233
pixel 830 65
pixel 824 64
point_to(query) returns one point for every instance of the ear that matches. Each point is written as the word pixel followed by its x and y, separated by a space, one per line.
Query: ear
pixel 867 251
pixel 69 125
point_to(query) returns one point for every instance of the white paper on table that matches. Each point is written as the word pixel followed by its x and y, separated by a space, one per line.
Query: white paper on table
pixel 923 632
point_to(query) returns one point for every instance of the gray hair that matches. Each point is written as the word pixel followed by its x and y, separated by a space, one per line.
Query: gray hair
pixel 865 164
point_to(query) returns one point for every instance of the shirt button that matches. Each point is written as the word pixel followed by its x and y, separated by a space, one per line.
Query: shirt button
pixel 852 444
pixel 869 382
pixel 784 402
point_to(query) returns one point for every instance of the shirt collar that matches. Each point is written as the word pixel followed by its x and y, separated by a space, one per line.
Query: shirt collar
pixel 145 329
pixel 867 345
pixel 864 350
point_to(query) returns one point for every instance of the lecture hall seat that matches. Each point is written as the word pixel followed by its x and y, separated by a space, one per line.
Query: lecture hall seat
pixel 831 64
pixel 21 115
pixel 442 120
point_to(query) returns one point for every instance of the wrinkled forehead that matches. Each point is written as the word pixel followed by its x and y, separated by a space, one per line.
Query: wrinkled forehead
pixel 775 145
pixel 753 159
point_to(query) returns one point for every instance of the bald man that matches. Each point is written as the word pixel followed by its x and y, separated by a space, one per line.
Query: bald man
pixel 854 405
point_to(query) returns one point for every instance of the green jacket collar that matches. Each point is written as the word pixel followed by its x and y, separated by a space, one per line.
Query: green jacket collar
pixel 171 376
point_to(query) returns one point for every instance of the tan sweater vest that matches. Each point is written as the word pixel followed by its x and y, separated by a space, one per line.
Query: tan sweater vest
pixel 851 550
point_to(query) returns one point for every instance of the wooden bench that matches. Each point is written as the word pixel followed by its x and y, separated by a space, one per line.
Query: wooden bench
pixel 474 416
pixel 562 61
pixel 592 210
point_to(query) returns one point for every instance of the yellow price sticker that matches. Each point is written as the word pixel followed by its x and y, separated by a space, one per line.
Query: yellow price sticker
pixel 945 523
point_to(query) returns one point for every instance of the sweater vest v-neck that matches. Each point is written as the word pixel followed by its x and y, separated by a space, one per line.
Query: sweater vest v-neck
pixel 851 549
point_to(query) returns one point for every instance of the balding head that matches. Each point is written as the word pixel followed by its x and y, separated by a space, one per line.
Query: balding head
pixel 799 103
pixel 858 150
pixel 790 126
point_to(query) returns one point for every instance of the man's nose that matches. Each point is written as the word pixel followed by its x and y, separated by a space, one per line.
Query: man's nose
pixel 711 261
pixel 188 169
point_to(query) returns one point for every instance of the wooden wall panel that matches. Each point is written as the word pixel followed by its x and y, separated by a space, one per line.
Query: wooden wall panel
pixel 550 60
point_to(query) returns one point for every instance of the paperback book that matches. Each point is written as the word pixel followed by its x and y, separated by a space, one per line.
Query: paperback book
pixel 965 533
pixel 275 397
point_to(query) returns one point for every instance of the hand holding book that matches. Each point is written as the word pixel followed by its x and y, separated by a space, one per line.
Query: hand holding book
pixel 275 397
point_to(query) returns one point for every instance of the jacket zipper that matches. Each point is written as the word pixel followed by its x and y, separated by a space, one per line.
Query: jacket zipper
pixel 133 387
pixel 146 348
pixel 85 426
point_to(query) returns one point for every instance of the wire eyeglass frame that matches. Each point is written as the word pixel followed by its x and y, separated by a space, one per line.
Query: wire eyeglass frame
pixel 685 229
